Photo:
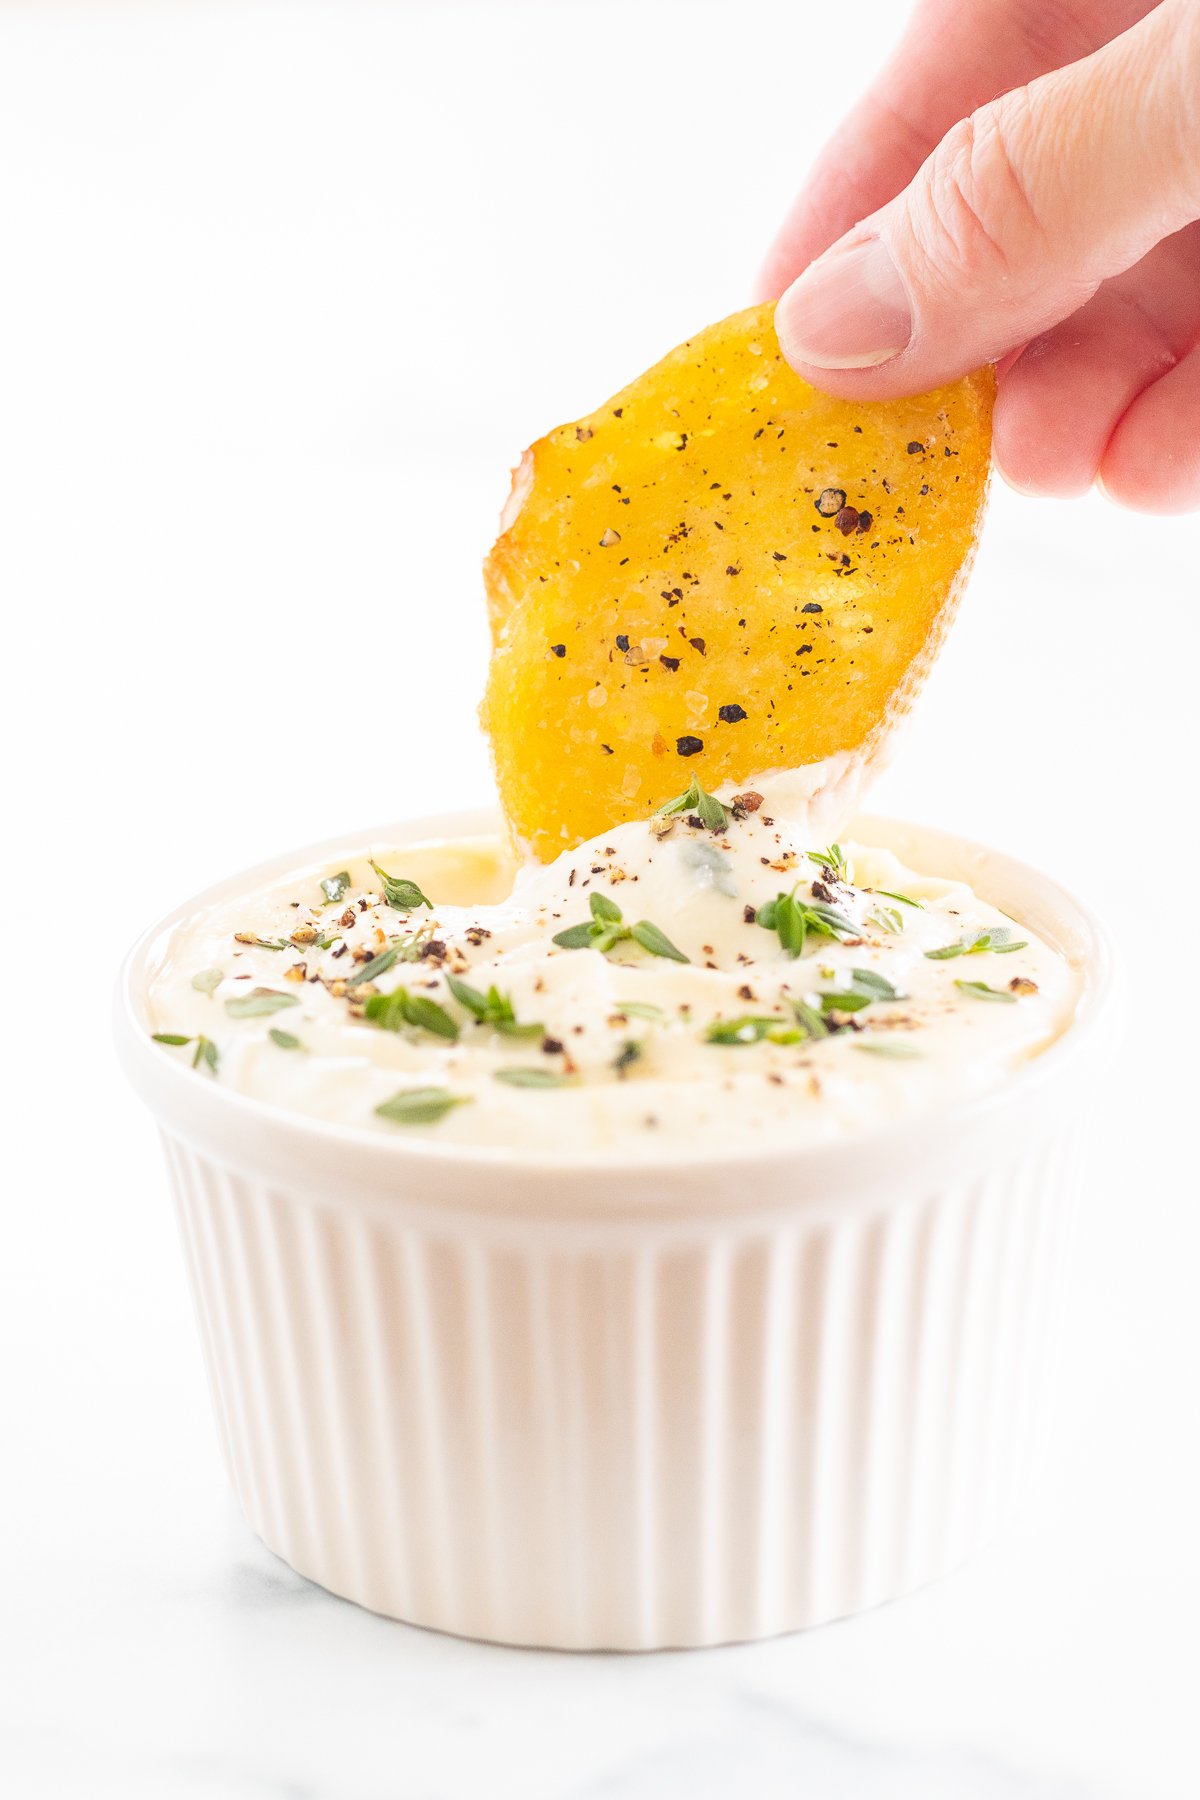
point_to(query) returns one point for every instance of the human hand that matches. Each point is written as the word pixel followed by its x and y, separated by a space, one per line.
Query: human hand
pixel 1053 231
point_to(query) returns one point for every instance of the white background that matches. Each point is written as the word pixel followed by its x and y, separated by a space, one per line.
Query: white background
pixel 283 291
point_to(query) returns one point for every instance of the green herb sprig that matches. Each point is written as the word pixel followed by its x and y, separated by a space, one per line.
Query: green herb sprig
pixel 833 859
pixel 258 1003
pixel 400 949
pixel 375 965
pixel 997 938
pixel 399 893
pixel 979 990
pixel 532 1078
pixel 286 1040
pixel 755 1028
pixel 493 1009
pixel 607 928
pixel 392 1012
pixel 713 814
pixel 335 887
pixel 421 1105
pixel 794 919
pixel 866 987
pixel 205 1052
pixel 886 918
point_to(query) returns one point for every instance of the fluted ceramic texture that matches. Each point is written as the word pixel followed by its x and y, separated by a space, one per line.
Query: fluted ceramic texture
pixel 624 1433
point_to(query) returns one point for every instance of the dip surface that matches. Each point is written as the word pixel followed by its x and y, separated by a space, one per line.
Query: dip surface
pixel 870 993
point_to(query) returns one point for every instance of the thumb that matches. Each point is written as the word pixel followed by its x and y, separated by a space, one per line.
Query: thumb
pixel 1012 223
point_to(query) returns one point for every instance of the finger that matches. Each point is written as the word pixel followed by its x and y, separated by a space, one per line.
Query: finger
pixel 1152 461
pixel 1060 403
pixel 1013 222
pixel 874 154
pixel 955 56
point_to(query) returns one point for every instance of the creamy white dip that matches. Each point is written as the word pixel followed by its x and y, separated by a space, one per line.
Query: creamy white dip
pixel 611 1047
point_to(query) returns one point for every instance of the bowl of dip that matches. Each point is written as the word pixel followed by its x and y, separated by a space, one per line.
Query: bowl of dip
pixel 655 1250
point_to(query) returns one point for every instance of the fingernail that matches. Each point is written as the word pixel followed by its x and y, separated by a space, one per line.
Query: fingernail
pixel 849 310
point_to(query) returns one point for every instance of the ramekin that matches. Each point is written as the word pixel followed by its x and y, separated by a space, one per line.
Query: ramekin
pixel 623 1405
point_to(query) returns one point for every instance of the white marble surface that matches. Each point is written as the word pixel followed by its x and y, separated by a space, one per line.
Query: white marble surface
pixel 279 304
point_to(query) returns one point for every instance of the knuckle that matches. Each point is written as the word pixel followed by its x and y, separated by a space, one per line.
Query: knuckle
pixel 978 221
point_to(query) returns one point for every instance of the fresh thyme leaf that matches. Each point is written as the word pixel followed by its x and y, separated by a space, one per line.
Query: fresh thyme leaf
pixel 869 981
pixel 640 1009
pixel 604 910
pixel 260 943
pixel 829 920
pixel 335 887
pixel 377 965
pixel 427 1015
pixel 420 1105
pixel 791 923
pixel 886 917
pixel 810 1019
pixel 401 894
pixel 887 1046
pixel 467 996
pixel 387 1010
pixel 532 1078
pixel 604 937
pixel 979 990
pixel 400 949
pixel 833 859
pixel 493 1008
pixel 657 942
pixel 257 1002
pixel 866 987
pixel 391 1012
pixel 631 1051
pixel 205 1052
pixel 207 981
pixel 575 937
pixel 903 899
pixel 713 814
pixel 848 1000
pixel 792 920
pixel 997 938
pixel 752 1028
pixel 608 928
pixel 325 943
pixel 285 1039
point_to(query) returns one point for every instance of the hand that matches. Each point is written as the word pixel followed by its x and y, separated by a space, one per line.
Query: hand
pixel 1053 231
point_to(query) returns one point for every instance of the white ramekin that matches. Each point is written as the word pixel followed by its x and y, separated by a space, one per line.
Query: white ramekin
pixel 624 1406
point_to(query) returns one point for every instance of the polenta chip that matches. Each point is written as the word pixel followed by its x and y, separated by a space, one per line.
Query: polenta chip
pixel 721 573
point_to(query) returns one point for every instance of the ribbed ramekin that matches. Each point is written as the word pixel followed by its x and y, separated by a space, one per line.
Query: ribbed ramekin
pixel 627 1405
